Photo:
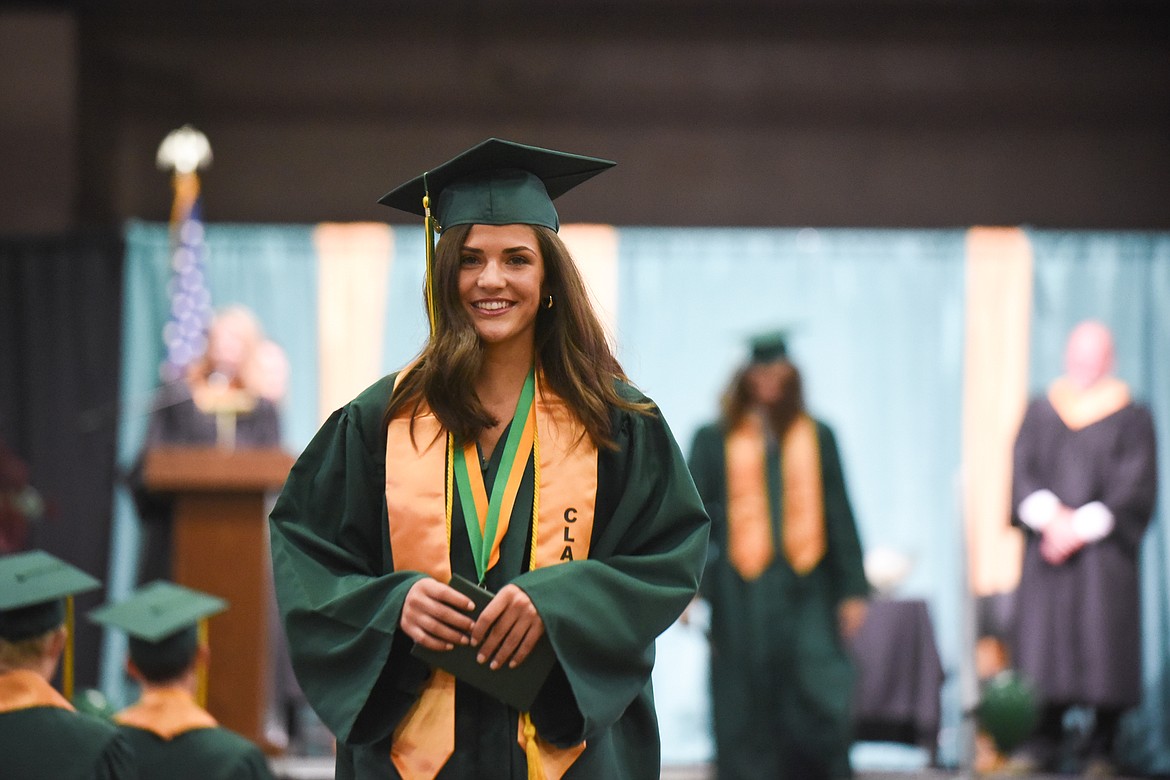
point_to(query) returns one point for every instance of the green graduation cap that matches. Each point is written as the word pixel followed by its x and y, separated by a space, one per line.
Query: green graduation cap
pixel 497 182
pixel 162 621
pixel 769 347
pixel 33 589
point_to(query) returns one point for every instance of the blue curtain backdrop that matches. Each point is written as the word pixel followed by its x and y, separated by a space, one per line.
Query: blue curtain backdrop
pixel 877 330
pixel 1122 279
pixel 877 321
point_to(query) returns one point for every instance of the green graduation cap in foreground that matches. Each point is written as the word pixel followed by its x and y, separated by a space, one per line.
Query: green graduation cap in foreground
pixel 33 589
pixel 162 620
pixel 497 182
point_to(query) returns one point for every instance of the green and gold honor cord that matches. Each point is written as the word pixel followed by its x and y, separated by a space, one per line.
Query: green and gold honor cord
pixel 482 515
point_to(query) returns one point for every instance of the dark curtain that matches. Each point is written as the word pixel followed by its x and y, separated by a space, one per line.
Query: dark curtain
pixel 60 324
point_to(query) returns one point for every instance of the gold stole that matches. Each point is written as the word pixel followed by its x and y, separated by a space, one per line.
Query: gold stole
pixel 1081 407
pixel 167 713
pixel 22 689
pixel 750 546
pixel 417 492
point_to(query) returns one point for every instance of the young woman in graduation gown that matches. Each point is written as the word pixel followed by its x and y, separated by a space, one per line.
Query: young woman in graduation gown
pixel 514 453
pixel 785 580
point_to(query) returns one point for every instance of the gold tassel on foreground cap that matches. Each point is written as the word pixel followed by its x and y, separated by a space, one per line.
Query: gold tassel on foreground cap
pixel 67 664
pixel 431 228
pixel 201 670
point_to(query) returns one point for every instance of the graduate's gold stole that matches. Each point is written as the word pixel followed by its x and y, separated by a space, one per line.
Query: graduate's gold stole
pixel 1080 407
pixel 166 713
pixel 750 546
pixel 420 487
pixel 22 689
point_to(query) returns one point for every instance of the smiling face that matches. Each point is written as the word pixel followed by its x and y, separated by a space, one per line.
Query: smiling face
pixel 501 274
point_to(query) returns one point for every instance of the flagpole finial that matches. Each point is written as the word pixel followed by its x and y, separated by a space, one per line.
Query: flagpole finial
pixel 184 151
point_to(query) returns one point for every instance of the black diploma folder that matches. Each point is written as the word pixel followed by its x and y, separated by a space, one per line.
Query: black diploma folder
pixel 515 687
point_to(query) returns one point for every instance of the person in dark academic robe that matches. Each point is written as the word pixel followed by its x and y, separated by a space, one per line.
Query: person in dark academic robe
pixel 228 397
pixel 784 581
pixel 216 403
pixel 41 734
pixel 170 732
pixel 513 453
pixel 1084 487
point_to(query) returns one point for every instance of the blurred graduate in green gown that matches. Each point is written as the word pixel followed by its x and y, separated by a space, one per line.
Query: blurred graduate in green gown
pixel 785 580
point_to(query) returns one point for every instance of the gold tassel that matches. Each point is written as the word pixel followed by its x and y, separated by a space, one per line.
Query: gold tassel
pixel 67 667
pixel 430 281
pixel 532 750
pixel 201 669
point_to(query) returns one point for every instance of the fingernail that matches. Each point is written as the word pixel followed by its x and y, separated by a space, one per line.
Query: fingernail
pixel 495 665
pixel 480 658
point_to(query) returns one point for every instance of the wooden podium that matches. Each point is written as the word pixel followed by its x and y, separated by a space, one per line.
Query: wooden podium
pixel 220 545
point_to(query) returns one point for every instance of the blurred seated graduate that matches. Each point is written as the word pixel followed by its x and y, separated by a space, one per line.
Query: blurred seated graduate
pixel 171 734
pixel 41 734
pixel 785 579
pixel 512 452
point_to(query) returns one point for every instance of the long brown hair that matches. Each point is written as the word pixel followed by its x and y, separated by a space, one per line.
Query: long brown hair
pixel 571 349
pixel 738 400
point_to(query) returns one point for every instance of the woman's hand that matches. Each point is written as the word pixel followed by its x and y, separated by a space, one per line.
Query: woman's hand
pixel 435 615
pixel 850 616
pixel 507 629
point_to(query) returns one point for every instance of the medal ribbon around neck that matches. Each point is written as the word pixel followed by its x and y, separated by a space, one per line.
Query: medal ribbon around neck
pixel 487 521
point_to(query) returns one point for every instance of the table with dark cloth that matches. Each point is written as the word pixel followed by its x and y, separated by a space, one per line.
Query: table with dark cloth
pixel 899 675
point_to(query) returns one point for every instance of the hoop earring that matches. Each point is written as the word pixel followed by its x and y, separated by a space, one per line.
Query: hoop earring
pixel 549 304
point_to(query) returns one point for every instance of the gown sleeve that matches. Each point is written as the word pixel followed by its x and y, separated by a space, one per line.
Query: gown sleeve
pixel 339 599
pixel 268 424
pixel 646 558
pixel 1131 489
pixel 707 467
pixel 843 552
pixel 1029 473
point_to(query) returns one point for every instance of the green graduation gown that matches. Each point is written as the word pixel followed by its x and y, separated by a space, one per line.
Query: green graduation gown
pixel 780 676
pixel 53 742
pixel 341 600
pixel 199 754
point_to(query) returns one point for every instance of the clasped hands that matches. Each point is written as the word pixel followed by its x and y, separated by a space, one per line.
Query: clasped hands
pixel 435 615
pixel 1059 539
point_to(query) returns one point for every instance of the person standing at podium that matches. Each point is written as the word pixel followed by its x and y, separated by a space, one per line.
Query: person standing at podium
pixel 512 452
pixel 229 398
pixel 785 580
pixel 216 404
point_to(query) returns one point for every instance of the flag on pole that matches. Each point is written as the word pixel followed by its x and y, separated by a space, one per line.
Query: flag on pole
pixel 185 334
